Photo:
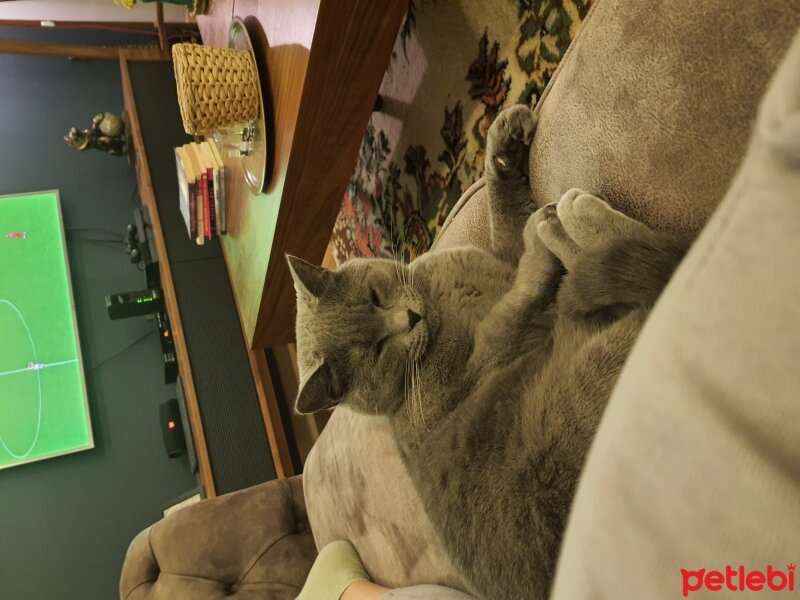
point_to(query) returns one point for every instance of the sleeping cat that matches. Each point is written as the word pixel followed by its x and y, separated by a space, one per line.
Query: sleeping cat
pixel 492 368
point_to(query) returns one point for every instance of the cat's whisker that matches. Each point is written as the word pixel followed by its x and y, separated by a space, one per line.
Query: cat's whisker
pixel 406 397
pixel 414 393
pixel 418 417
pixel 420 399
pixel 412 408
pixel 401 258
pixel 415 403
pixel 416 253
pixel 395 256
pixel 404 240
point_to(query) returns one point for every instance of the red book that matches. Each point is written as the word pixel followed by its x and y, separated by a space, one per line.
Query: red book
pixel 212 203
pixel 206 206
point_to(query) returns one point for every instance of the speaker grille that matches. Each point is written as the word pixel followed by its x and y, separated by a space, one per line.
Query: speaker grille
pixel 232 419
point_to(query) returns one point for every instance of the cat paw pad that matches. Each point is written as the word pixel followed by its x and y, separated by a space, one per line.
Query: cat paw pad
pixel 508 142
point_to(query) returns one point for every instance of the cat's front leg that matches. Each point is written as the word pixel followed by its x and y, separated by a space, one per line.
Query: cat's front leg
pixel 614 263
pixel 511 202
pixel 521 322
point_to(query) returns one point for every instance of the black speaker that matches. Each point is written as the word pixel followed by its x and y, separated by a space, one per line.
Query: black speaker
pixel 172 428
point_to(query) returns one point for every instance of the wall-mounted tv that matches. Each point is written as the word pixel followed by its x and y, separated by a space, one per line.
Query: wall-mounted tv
pixel 44 410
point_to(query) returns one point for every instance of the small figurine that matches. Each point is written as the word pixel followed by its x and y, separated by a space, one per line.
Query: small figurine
pixel 195 7
pixel 107 134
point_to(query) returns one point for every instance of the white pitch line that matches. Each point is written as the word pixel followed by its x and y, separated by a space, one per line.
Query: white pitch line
pixel 39 367
pixel 38 383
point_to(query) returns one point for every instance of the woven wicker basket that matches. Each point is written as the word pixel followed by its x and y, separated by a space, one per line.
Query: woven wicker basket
pixel 216 86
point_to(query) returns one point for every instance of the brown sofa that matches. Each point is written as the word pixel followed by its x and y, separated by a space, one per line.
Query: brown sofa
pixel 652 109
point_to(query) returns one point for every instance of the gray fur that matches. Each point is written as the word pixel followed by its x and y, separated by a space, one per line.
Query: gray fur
pixel 495 392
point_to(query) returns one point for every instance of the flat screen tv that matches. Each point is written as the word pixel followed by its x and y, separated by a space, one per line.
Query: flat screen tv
pixel 44 410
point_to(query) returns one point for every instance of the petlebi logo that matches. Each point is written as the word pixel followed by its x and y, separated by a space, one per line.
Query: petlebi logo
pixel 739 579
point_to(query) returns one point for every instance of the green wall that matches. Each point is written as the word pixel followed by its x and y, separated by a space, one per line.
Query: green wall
pixel 65 523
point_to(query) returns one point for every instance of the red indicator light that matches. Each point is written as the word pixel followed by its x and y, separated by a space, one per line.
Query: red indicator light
pixel 171 425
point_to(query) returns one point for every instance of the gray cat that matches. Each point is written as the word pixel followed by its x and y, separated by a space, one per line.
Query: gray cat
pixel 493 368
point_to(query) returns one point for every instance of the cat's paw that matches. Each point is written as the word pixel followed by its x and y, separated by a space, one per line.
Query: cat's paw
pixel 508 143
pixel 538 261
pixel 533 241
pixel 586 224
pixel 592 223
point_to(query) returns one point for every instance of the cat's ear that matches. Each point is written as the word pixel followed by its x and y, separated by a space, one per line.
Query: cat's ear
pixel 316 391
pixel 308 278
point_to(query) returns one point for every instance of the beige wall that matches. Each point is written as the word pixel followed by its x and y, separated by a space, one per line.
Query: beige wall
pixel 84 10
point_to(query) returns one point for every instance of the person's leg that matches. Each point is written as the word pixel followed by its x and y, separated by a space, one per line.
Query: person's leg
pixel 338 574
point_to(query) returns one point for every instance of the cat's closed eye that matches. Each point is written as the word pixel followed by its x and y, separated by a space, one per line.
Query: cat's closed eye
pixel 381 345
pixel 376 299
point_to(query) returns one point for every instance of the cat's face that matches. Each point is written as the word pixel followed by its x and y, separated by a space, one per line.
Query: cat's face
pixel 361 331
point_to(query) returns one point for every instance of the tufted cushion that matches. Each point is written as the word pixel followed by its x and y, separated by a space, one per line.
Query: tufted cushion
pixel 251 544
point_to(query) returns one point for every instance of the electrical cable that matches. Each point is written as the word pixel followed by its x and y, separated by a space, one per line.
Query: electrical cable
pixel 123 350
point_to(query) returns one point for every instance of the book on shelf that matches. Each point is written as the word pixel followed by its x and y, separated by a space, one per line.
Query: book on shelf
pixel 200 201
pixel 201 185
pixel 222 195
pixel 187 189
pixel 205 190
pixel 213 184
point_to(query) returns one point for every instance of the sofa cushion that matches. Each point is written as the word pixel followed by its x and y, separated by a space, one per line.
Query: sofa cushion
pixel 653 105
pixel 358 489
pixel 695 464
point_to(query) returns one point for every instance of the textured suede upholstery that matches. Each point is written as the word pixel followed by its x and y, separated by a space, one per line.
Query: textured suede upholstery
pixel 382 512
pixel 696 459
pixel 251 544
pixel 651 108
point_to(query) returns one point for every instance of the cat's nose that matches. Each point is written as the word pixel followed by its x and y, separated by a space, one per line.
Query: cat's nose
pixel 413 318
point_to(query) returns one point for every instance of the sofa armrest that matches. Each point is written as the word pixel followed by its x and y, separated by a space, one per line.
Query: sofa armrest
pixel 253 543
pixel 468 221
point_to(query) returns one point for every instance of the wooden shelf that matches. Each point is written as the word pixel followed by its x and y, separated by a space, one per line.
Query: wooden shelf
pixel 325 60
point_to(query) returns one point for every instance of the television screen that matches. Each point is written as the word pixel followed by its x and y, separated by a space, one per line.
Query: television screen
pixel 43 403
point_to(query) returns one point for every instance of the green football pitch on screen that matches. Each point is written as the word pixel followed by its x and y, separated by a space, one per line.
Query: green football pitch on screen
pixel 43 404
